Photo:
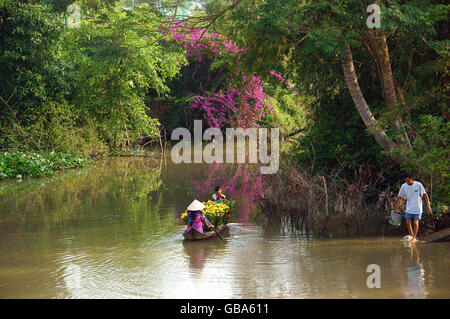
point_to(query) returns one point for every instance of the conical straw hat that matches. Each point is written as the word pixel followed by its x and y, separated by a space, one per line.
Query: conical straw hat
pixel 196 205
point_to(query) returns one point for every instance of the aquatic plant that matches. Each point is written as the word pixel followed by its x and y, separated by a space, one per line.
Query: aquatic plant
pixel 22 164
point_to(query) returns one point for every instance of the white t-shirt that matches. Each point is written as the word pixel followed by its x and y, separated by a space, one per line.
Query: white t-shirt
pixel 413 196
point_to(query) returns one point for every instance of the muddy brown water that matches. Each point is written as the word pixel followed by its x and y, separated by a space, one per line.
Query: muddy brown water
pixel 113 231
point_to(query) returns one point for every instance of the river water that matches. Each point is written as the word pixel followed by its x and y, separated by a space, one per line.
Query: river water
pixel 113 231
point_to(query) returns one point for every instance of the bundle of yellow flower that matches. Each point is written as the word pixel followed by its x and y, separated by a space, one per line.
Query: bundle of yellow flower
pixel 217 213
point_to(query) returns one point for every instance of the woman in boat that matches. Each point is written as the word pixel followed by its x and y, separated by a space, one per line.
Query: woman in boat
pixel 217 196
pixel 196 218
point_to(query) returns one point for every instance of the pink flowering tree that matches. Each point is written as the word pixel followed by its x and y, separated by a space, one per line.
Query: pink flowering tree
pixel 283 80
pixel 242 105
pixel 214 83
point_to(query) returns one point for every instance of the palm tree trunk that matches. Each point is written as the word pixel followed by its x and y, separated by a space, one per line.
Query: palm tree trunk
pixel 379 44
pixel 378 49
pixel 360 102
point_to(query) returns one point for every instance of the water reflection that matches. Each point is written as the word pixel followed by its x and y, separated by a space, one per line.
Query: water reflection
pixel 415 287
pixel 198 252
pixel 241 181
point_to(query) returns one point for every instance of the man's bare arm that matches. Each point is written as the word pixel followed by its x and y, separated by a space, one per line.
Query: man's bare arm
pixel 399 203
pixel 427 200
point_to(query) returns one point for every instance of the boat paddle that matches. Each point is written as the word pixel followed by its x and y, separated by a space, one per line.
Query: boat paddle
pixel 217 233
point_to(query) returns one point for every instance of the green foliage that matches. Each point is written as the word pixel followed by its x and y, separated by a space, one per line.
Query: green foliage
pixel 429 157
pixel 82 88
pixel 31 72
pixel 290 108
pixel 337 139
pixel 53 126
pixel 176 116
pixel 24 164
pixel 305 38
pixel 229 202
pixel 119 54
pixel 89 7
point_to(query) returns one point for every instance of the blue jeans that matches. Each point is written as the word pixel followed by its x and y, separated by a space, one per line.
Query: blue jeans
pixel 413 216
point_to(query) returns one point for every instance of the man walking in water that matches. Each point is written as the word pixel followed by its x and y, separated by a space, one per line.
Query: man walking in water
pixel 413 192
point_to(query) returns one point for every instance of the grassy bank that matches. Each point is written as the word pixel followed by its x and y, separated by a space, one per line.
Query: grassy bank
pixel 31 164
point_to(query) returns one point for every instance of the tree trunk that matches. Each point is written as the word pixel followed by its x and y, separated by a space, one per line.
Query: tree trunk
pixel 380 48
pixel 379 52
pixel 380 55
pixel 361 104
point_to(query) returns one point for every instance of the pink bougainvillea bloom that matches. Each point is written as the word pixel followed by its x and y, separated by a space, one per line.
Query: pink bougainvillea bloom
pixel 242 103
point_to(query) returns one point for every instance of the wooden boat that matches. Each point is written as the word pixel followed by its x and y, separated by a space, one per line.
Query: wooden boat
pixel 192 234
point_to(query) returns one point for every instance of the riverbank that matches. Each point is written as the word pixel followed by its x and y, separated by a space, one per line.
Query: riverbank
pixel 333 205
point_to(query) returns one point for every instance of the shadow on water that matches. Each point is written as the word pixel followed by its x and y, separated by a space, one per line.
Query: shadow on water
pixel 200 251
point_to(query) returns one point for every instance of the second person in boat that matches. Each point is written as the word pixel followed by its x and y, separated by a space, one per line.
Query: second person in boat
pixel 218 196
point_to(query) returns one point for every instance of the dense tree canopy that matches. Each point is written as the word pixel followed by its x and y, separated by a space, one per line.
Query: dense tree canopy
pixel 360 95
pixel 80 87
pixel 400 70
